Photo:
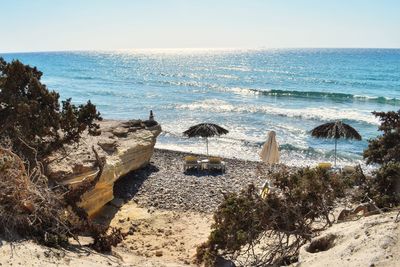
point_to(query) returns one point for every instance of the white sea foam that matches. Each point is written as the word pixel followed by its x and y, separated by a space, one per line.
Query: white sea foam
pixel 312 113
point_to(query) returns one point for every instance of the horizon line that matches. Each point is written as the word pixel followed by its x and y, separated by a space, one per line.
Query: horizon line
pixel 189 49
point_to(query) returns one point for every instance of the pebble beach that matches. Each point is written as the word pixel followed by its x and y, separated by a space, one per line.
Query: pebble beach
pixel 163 184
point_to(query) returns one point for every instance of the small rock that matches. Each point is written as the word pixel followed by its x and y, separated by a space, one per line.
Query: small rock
pixel 134 129
pixel 120 132
pixel 168 233
pixel 131 231
pixel 108 145
pixel 159 253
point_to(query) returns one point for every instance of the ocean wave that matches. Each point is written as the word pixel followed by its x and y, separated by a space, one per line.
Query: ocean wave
pixel 324 95
pixel 322 114
pixel 310 152
pixel 110 93
pixel 287 93
pixel 85 78
pixel 236 68
pixel 194 84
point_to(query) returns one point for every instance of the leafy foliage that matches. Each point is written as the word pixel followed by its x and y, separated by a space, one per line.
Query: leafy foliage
pixel 286 218
pixel 31 116
pixel 385 148
pixel 33 124
pixel 384 186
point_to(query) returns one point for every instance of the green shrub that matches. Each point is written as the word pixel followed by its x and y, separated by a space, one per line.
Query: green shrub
pixel 31 117
pixel 384 186
pixel 385 148
pixel 32 125
pixel 288 217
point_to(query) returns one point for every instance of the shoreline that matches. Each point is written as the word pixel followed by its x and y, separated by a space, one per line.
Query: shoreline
pixel 202 155
pixel 291 159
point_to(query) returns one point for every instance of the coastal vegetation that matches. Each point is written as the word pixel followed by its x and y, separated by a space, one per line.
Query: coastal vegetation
pixel 33 124
pixel 384 186
pixel 254 231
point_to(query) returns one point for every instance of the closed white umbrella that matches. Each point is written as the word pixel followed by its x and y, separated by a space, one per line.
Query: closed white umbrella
pixel 270 152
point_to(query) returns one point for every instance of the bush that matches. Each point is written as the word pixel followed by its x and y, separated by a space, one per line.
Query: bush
pixel 32 125
pixel 30 114
pixel 385 148
pixel 384 186
pixel 27 206
pixel 29 209
pixel 287 218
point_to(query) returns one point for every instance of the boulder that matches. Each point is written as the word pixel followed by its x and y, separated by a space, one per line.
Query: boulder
pixel 121 153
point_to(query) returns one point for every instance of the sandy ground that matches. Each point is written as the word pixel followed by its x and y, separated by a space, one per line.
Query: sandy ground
pixel 368 241
pixel 159 238
pixel 27 253
pixel 165 237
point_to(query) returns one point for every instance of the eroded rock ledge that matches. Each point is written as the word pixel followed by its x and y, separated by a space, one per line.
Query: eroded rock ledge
pixel 123 146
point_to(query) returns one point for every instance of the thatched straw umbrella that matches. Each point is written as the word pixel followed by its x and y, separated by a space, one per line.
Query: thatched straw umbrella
pixel 336 130
pixel 205 130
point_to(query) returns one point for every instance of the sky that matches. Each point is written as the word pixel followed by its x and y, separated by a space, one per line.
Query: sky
pixel 59 25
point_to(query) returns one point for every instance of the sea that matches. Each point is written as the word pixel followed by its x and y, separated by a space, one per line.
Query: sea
pixel 248 92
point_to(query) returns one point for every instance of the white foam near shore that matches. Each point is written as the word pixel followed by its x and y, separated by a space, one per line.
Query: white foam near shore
pixel 245 143
pixel 310 113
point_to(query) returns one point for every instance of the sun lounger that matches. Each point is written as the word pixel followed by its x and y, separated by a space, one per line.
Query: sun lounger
pixel 349 169
pixel 215 163
pixel 325 165
pixel 191 162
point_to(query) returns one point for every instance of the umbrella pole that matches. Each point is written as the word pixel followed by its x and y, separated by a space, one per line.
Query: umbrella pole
pixel 335 150
pixel 207 144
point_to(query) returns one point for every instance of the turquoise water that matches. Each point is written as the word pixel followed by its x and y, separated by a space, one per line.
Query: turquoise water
pixel 249 92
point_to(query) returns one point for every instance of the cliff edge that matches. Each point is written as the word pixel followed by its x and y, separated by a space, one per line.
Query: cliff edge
pixel 122 146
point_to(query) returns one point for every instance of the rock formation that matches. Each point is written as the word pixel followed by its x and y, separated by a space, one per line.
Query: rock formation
pixel 122 146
